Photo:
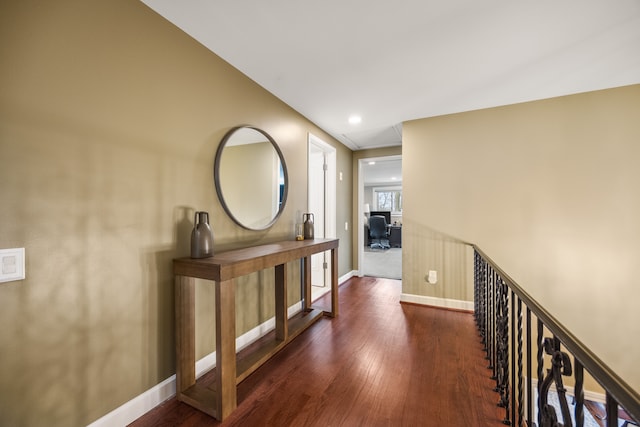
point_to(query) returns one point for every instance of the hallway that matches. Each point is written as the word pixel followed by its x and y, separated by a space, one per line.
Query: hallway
pixel 380 363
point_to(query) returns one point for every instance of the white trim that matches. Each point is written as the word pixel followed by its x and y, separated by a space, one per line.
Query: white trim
pixel 145 402
pixel 139 405
pixel 437 302
pixel 330 183
pixel 592 396
pixel 330 190
pixel 360 221
pixel 347 276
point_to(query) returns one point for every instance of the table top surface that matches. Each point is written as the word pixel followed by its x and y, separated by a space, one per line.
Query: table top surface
pixel 237 262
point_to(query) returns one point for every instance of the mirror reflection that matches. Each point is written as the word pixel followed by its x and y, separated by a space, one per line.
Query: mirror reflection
pixel 250 177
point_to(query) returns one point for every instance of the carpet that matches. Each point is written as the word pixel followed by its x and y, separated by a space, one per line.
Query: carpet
pixel 385 263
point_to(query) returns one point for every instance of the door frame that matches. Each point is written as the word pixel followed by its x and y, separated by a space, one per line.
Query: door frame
pixel 360 196
pixel 330 153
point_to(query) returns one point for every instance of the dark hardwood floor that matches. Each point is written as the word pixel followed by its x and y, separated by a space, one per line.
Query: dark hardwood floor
pixel 380 363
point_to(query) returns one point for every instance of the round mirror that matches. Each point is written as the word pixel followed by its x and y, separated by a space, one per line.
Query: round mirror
pixel 251 177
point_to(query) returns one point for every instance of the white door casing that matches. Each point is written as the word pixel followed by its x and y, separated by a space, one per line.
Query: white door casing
pixel 322 203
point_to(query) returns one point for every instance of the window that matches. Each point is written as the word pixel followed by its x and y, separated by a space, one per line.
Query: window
pixel 388 199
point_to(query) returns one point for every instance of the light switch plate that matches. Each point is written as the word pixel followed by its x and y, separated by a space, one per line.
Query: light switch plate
pixel 12 264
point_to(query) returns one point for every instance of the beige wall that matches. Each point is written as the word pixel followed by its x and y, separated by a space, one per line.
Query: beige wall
pixel 549 190
pixel 109 122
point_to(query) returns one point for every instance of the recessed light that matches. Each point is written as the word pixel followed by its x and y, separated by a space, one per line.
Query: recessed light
pixel 354 120
pixel 372 163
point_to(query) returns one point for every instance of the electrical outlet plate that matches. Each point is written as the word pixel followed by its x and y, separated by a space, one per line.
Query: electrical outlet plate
pixel 12 264
pixel 432 277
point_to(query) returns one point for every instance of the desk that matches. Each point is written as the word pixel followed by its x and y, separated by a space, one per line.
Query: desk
pixel 395 236
pixel 222 269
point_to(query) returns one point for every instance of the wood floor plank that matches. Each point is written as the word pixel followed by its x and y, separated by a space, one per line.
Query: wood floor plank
pixel 380 363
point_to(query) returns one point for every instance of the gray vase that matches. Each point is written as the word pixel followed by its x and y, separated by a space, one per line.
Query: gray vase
pixel 307 220
pixel 201 236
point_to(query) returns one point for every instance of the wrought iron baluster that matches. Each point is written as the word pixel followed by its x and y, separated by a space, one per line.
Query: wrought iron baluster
pixel 498 340
pixel 512 354
pixel 495 349
pixel 476 288
pixel 520 378
pixel 483 290
pixel 491 323
pixel 485 306
pixel 497 307
pixel 487 311
pixel 503 349
pixel 579 392
pixel 540 360
pixel 612 411
pixel 482 300
pixel 529 372
pixel 560 366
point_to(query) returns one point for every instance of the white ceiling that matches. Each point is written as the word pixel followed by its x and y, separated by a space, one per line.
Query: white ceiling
pixel 386 171
pixel 395 61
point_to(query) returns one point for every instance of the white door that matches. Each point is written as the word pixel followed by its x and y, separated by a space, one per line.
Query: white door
pixel 321 203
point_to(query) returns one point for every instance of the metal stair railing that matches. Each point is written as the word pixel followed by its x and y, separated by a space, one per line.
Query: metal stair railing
pixel 503 314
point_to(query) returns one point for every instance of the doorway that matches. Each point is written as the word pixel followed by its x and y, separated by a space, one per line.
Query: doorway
pixel 380 192
pixel 322 204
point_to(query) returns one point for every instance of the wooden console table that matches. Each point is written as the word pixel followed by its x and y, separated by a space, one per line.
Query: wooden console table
pixel 222 269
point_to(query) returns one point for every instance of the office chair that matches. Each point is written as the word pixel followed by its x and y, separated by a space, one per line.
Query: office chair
pixel 378 232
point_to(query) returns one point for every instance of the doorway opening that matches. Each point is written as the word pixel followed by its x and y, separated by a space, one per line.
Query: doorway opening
pixel 321 203
pixel 380 194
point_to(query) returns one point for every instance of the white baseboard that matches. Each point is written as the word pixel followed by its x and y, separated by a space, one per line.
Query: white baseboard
pixel 139 405
pixel 591 395
pixel 347 276
pixel 143 403
pixel 437 302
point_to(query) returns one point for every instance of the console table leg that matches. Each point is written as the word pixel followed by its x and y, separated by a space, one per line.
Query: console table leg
pixel 282 331
pixel 306 266
pixel 225 348
pixel 185 334
pixel 334 282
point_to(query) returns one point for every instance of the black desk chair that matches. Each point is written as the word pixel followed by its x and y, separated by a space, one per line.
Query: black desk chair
pixel 378 232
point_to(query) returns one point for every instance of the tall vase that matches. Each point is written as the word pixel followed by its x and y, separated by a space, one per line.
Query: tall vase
pixel 307 220
pixel 201 236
